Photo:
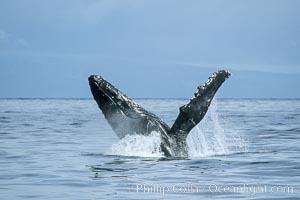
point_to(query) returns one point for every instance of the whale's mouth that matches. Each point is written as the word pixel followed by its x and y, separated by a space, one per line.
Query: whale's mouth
pixel 104 93
pixel 110 99
pixel 101 89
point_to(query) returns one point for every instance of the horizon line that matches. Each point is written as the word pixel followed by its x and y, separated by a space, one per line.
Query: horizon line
pixel 150 98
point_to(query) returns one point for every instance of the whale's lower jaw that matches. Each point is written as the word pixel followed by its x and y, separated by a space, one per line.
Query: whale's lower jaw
pixel 127 117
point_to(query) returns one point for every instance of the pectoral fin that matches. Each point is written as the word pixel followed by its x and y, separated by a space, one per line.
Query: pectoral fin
pixel 193 112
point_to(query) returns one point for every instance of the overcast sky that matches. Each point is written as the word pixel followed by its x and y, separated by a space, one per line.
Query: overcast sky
pixel 149 48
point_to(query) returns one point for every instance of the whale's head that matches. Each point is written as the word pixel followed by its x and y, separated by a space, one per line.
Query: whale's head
pixel 110 100
pixel 122 113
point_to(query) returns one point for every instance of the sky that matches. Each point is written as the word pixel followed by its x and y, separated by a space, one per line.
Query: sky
pixel 149 48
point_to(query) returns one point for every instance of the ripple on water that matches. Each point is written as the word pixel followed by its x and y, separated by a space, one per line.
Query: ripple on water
pixel 62 154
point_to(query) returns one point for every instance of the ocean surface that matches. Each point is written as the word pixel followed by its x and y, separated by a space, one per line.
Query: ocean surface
pixel 65 149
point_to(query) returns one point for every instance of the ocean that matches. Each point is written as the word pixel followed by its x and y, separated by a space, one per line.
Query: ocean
pixel 65 149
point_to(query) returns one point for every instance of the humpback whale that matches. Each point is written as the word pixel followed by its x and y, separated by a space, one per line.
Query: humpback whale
pixel 125 116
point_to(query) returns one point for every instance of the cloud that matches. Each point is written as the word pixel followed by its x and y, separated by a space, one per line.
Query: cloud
pixel 13 40
pixel 11 44
pixel 22 42
pixel 281 69
pixel 3 35
pixel 94 13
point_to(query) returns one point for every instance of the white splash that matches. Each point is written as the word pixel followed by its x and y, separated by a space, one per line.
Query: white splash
pixel 209 138
pixel 138 145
